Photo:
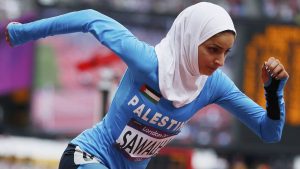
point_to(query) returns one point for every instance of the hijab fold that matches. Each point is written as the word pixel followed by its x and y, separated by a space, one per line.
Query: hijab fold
pixel 179 78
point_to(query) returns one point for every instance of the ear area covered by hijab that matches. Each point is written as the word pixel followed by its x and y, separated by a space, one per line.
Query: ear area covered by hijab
pixel 179 78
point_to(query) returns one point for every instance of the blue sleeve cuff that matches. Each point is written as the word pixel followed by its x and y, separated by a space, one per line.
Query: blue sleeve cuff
pixel 13 34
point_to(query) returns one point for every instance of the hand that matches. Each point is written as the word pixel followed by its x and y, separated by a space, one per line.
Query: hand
pixel 273 69
pixel 7 37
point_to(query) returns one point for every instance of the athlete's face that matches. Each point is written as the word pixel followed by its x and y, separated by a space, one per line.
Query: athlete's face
pixel 212 53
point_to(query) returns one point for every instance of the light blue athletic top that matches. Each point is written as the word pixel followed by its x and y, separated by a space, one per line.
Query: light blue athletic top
pixel 140 121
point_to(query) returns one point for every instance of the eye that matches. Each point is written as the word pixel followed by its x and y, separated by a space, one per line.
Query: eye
pixel 213 49
pixel 227 52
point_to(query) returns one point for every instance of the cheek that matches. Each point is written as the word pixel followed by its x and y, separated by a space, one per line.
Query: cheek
pixel 201 61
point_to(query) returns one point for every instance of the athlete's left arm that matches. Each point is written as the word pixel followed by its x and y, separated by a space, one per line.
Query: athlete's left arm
pixel 267 124
pixel 136 54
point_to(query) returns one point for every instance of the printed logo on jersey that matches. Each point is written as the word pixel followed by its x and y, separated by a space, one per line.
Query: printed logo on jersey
pixel 151 94
pixel 82 157
pixel 139 142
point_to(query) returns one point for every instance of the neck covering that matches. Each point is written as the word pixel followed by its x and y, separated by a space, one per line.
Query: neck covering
pixel 179 78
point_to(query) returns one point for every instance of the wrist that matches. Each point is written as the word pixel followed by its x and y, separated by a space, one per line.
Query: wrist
pixel 11 34
pixel 274 85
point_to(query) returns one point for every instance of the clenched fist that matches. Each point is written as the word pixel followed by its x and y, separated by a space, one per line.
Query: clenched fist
pixel 273 69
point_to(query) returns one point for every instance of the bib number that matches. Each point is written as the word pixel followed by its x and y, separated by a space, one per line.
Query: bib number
pixel 139 142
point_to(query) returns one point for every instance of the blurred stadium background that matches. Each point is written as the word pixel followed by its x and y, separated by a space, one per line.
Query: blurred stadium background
pixel 54 88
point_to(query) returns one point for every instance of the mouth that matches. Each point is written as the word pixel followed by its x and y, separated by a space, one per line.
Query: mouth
pixel 212 69
pixel 209 71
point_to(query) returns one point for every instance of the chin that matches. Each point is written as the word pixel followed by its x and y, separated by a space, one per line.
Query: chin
pixel 208 72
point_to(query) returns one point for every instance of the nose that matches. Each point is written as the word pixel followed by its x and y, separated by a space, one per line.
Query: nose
pixel 220 61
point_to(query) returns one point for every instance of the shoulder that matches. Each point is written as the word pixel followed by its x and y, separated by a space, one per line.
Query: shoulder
pixel 219 82
pixel 219 77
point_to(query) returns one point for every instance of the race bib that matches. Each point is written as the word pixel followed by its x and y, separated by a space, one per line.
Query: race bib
pixel 139 142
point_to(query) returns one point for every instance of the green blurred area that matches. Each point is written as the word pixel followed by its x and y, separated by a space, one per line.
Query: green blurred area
pixel 46 69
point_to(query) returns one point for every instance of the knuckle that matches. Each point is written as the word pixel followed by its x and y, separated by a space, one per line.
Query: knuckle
pixel 278 61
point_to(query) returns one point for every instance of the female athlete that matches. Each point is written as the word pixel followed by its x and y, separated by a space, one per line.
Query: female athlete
pixel 163 87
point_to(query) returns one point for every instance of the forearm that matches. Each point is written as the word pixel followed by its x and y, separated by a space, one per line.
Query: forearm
pixel 273 122
pixel 254 116
pixel 67 23
pixel 275 101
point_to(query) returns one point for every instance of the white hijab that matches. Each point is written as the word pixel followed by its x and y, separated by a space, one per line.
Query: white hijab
pixel 179 78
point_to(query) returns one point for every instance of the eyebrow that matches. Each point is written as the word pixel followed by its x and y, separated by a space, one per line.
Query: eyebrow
pixel 218 46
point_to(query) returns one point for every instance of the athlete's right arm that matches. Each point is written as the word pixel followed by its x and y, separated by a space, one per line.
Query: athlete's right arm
pixel 108 31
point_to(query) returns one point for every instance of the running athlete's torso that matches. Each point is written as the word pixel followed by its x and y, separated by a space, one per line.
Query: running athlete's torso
pixel 138 124
pixel 140 121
